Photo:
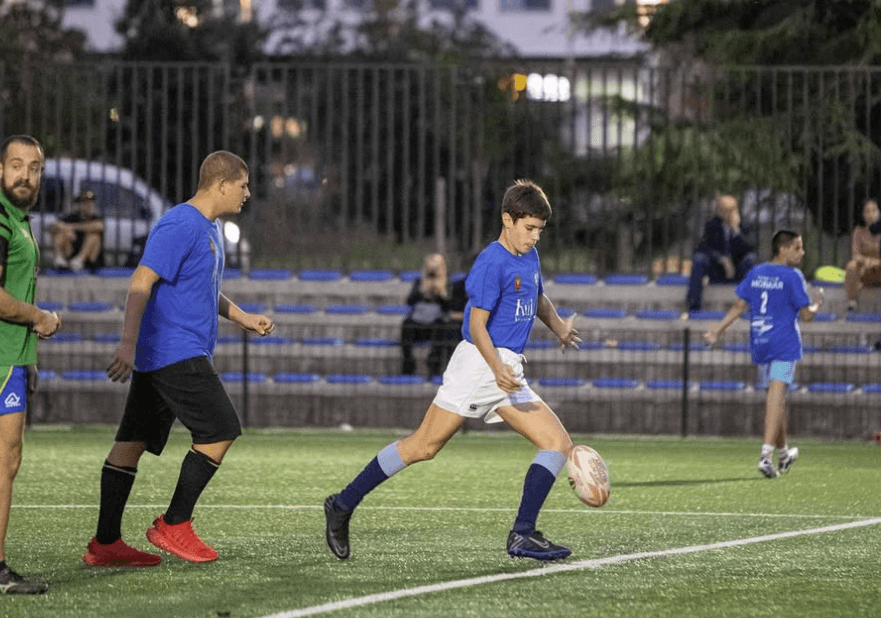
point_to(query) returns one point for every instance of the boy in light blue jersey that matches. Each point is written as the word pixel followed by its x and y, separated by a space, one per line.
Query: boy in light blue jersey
pixel 776 295
pixel 484 379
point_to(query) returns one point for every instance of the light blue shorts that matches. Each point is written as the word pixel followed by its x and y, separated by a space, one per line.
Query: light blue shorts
pixel 782 371
pixel 13 389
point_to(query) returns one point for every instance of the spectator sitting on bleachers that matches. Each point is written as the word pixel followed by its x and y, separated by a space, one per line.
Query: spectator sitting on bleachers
pixel 79 236
pixel 436 312
pixel 724 254
pixel 864 267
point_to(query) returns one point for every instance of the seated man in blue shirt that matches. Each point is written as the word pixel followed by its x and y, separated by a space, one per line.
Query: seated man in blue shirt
pixel 725 254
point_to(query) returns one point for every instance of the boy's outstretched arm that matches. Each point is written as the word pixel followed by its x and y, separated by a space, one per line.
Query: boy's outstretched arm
pixel 712 335
pixel 807 314
pixel 563 329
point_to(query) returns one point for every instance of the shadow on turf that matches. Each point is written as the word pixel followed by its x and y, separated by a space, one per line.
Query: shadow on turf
pixel 675 483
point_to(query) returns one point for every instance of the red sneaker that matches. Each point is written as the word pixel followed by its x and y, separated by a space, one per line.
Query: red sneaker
pixel 118 554
pixel 180 540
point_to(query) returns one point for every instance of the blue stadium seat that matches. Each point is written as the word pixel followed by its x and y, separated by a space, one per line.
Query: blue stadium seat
pixel 400 310
pixel 90 306
pixel 108 338
pixel 252 307
pixel 639 346
pixel 295 378
pixel 658 314
pixel 349 378
pixel 231 273
pixel 662 385
pixel 371 275
pixel 872 389
pixel 458 276
pixel 627 383
pixel 605 313
pixel 694 346
pixel 812 349
pixel 50 305
pixel 270 340
pixel 560 382
pixel 706 314
pixel 736 347
pixel 401 380
pixel 825 317
pixel 269 274
pixel 626 280
pixel 863 317
pixel 61 272
pixel 113 272
pixel 346 309
pixel 592 344
pixel 565 312
pixel 817 283
pixel 322 341
pixel 80 375
pixel 830 387
pixel 851 349
pixel 409 276
pixel 722 385
pixel 319 275
pixel 228 339
pixel 238 376
pixel 671 280
pixel 376 342
pixel 542 344
pixel 64 337
pixel 295 308
pixel 575 279
pixel 47 374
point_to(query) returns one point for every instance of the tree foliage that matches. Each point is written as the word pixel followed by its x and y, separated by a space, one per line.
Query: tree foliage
pixel 787 95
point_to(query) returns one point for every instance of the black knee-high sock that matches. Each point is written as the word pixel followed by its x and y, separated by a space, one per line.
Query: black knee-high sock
pixel 195 472
pixel 116 485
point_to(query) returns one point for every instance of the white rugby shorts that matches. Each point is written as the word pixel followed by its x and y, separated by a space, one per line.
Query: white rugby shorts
pixel 470 390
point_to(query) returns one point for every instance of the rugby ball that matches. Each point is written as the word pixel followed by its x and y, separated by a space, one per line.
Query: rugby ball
pixel 588 475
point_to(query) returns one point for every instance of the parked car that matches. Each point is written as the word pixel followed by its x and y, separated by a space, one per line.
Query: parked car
pixel 128 204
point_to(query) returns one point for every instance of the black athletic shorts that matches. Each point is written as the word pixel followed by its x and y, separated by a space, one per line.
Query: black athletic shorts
pixel 189 390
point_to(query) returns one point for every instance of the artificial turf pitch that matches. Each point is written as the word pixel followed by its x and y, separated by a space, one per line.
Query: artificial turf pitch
pixel 447 520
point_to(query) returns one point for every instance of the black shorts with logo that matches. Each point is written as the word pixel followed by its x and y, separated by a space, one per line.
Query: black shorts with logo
pixel 189 390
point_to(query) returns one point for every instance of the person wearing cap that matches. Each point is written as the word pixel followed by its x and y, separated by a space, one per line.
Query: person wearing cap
pixel 79 236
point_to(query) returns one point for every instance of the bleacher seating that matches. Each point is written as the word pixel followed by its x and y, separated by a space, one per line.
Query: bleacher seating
pixel 336 332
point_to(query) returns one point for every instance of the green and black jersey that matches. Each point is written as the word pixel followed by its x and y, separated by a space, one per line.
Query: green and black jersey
pixel 19 257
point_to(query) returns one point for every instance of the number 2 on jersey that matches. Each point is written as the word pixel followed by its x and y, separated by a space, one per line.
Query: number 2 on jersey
pixel 763 309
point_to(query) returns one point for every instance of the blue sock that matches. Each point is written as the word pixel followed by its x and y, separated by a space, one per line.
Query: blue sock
pixel 536 486
pixel 385 465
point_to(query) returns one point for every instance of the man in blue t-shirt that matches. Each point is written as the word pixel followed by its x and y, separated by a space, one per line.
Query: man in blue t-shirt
pixel 776 295
pixel 168 338
pixel 484 379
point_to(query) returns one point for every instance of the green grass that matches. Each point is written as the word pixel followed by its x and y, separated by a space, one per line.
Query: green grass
pixel 447 520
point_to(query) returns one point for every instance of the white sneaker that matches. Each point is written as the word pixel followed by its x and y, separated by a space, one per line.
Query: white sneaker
pixel 766 467
pixel 786 462
pixel 60 262
pixel 76 264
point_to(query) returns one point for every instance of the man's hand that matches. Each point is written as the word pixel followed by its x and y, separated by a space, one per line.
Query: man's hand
pixel 727 266
pixel 122 364
pixel 47 324
pixel 256 323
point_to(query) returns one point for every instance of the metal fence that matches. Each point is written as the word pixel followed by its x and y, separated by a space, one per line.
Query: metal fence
pixel 354 163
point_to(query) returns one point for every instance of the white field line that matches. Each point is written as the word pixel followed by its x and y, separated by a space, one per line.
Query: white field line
pixel 581 565
pixel 464 509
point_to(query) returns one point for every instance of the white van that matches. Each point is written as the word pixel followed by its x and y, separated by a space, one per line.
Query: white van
pixel 129 206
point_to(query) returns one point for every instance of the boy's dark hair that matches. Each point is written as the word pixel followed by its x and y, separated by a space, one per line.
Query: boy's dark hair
pixel 526 199
pixel 782 238
pixel 18 139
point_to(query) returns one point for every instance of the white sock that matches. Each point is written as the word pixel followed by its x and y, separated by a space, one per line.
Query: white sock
pixel 782 452
pixel 767 451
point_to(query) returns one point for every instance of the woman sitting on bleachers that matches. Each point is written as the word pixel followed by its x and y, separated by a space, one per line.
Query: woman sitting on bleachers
pixel 436 311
